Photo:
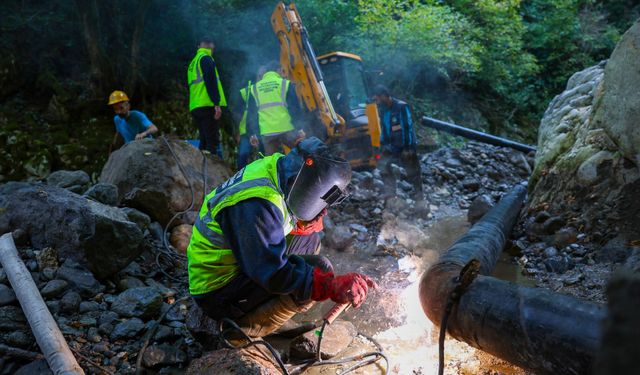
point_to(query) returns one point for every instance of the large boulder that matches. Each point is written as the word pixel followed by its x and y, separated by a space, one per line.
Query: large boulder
pixel 588 159
pixel 149 179
pixel 97 236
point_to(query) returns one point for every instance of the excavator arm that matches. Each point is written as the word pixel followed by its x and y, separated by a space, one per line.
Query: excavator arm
pixel 299 65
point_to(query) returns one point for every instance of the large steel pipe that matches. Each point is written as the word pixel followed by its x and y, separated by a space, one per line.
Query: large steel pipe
pixel 475 135
pixel 530 327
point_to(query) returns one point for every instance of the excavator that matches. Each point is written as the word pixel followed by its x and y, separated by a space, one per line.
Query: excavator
pixel 352 125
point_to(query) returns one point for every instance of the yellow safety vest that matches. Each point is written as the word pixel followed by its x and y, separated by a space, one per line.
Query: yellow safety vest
pixel 270 94
pixel 198 96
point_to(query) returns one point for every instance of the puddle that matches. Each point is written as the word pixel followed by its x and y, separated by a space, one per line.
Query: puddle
pixel 507 269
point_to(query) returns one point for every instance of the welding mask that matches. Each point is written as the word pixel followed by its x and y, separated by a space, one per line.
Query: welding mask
pixel 321 181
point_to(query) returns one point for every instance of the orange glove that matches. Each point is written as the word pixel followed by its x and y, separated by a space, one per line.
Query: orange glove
pixel 305 228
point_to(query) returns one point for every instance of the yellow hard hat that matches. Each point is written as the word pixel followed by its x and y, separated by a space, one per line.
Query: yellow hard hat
pixel 117 97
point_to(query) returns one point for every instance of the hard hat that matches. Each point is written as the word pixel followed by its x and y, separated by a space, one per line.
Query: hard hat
pixel 321 179
pixel 117 97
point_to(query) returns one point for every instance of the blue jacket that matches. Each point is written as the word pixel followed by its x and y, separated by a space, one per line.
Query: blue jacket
pixel 397 132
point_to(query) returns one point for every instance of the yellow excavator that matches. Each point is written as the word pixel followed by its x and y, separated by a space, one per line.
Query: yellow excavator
pixel 338 77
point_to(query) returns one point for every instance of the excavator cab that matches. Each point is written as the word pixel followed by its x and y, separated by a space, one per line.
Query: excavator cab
pixel 346 85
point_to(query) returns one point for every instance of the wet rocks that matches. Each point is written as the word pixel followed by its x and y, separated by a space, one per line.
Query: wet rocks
pixel 127 329
pixel 7 296
pixel 336 337
pixel 80 278
pixel 54 288
pixel 70 302
pixel 163 355
pixel 138 302
pixel 99 236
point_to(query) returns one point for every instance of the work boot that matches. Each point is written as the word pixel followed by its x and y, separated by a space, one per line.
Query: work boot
pixel 271 315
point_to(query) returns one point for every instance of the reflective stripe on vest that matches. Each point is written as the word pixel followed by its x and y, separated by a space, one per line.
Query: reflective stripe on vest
pixel 244 93
pixel 270 95
pixel 198 95
pixel 211 261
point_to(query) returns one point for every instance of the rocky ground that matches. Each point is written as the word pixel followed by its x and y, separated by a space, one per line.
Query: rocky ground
pixel 108 320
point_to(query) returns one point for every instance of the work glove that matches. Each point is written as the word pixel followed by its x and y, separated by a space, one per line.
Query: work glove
pixel 349 288
pixel 305 228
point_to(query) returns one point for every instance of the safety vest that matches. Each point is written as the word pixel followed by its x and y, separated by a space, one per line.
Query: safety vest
pixel 198 96
pixel 270 94
pixel 244 93
pixel 211 262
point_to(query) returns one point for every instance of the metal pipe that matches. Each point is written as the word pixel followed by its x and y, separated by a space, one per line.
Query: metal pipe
pixel 475 135
pixel 530 327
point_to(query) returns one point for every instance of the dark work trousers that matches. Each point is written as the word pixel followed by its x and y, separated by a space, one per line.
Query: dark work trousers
pixel 242 294
pixel 407 160
pixel 209 129
pixel 273 143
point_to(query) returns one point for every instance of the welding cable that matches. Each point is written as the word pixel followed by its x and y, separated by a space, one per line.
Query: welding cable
pixel 461 283
pixel 251 342
pixel 169 254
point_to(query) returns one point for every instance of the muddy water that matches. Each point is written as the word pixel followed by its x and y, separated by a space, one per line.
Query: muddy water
pixel 393 315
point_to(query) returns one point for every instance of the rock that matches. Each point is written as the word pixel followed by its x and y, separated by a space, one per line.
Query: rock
pixel 157 231
pixel 588 152
pixel 53 306
pixel 48 273
pixel 20 339
pixel 336 337
pixel 95 235
pixel 138 302
pixel 93 335
pixel 7 296
pixel 70 302
pixel 103 193
pixel 127 329
pixel 140 218
pixel 565 237
pixel 80 279
pixel 541 217
pixel 180 237
pixel 149 179
pixel 250 361
pixel 12 318
pixel 203 328
pixel 550 252
pixel 552 225
pixel 471 184
pixel 20 237
pixel 616 251
pixel 88 306
pixel 558 264
pixel 38 367
pixel 396 205
pixel 479 207
pixel 47 258
pixel 453 163
pixel 163 355
pixel 129 283
pixel 107 317
pixel 67 179
pixel 340 238
pixel 54 288
pixel 421 209
pixel 358 228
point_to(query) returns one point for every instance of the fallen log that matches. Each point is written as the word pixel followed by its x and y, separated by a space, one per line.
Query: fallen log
pixel 531 327
pixel 475 135
pixel 44 327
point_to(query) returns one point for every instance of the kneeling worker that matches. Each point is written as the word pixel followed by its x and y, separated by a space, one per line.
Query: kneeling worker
pixel 131 125
pixel 240 266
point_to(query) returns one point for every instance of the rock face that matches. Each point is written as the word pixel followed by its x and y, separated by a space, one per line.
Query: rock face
pixel 149 179
pixel 98 236
pixel 589 146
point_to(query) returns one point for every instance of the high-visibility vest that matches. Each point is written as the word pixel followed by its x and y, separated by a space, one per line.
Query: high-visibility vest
pixel 211 262
pixel 198 96
pixel 270 94
pixel 244 93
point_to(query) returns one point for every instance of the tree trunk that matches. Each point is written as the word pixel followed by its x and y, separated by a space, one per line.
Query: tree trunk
pixel 138 31
pixel 44 328
pixel 100 72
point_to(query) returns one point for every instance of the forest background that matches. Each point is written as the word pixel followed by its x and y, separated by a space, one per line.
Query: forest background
pixel 492 65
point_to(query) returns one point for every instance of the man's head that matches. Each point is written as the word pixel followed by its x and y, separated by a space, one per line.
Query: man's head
pixel 119 101
pixel 271 66
pixel 314 179
pixel 207 43
pixel 381 96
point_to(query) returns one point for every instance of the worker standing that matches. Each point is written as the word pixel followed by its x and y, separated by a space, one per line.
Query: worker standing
pixel 240 266
pixel 244 144
pixel 398 142
pixel 274 111
pixel 206 96
pixel 131 125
